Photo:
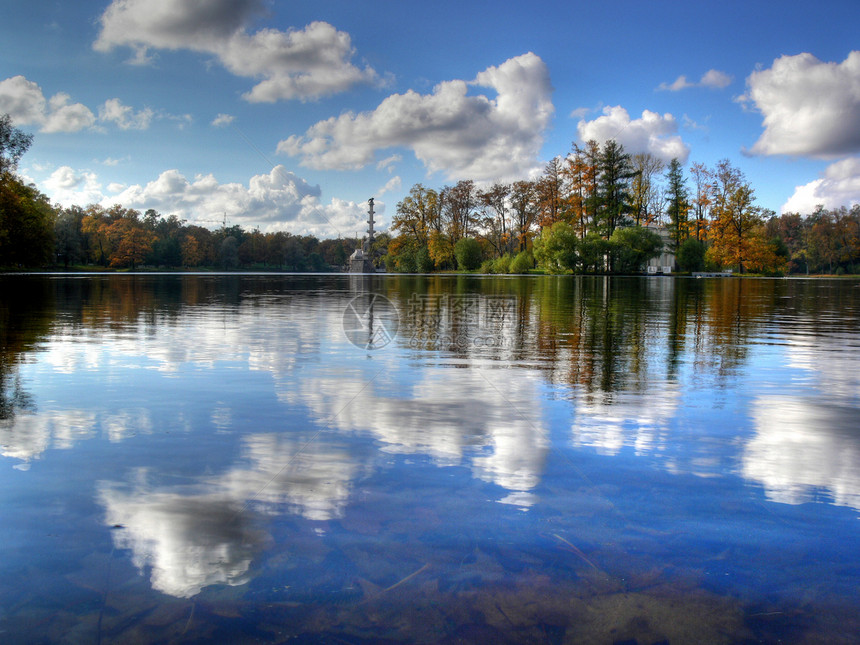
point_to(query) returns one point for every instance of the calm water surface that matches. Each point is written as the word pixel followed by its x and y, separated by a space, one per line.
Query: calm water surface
pixel 343 459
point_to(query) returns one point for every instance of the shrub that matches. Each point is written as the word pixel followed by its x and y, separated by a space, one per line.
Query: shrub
pixel 691 255
pixel 556 249
pixel 522 263
pixel 423 261
pixel 467 251
pixel 502 264
pixel 631 247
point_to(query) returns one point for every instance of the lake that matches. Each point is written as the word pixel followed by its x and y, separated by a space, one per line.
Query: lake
pixel 424 459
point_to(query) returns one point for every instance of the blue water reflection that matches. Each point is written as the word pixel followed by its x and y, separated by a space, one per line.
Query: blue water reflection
pixel 549 459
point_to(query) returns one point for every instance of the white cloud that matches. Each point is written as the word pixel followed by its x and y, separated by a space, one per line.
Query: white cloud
pixel 810 107
pixel 24 101
pixel 651 132
pixel 388 163
pixel 801 448
pixel 124 116
pixel 68 186
pixel 581 112
pixel 464 136
pixel 716 79
pixel 391 185
pixel 278 200
pixel 223 120
pixel 295 64
pixel 839 185
pixel 713 78
pixel 278 196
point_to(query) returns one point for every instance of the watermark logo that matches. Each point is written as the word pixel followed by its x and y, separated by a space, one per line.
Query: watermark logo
pixel 461 320
pixel 370 321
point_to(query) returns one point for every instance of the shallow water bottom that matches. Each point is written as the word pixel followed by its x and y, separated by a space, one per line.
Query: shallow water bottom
pixel 483 598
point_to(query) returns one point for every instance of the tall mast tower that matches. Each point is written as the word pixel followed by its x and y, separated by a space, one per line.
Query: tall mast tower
pixel 370 222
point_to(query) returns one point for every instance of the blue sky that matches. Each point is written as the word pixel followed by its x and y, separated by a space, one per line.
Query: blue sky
pixel 290 115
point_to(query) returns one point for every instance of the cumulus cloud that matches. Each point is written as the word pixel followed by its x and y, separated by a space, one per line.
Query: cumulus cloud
pixel 276 196
pixel 713 78
pixel 651 132
pixel 465 136
pixel 124 116
pixel 838 185
pixel 67 186
pixel 810 107
pixel 278 200
pixel 302 64
pixel 24 101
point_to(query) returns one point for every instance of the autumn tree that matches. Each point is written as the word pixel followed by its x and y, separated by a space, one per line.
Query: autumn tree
pixel 644 191
pixel 131 242
pixel 701 202
pixel 548 193
pixel 582 195
pixel 524 209
pixel 417 214
pixel 94 226
pixel 494 219
pixel 459 206
pixel 736 220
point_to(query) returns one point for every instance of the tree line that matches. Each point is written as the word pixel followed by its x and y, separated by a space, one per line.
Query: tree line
pixel 597 209
pixel 34 233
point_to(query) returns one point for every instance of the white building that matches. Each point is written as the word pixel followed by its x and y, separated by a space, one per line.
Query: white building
pixel 665 262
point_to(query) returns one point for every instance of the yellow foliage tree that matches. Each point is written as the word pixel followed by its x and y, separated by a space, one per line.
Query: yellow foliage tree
pixel 191 253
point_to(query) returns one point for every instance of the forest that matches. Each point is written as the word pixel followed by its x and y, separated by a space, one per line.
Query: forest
pixel 597 209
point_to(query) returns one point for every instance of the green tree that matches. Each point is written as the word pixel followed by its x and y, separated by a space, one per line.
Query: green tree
pixel 13 144
pixel 593 251
pixel 230 252
pixel 423 262
pixel 691 255
pixel 677 206
pixel 68 238
pixel 26 225
pixel 632 246
pixel 467 250
pixel 522 263
pixel 555 249
pixel 26 215
pixel 616 171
